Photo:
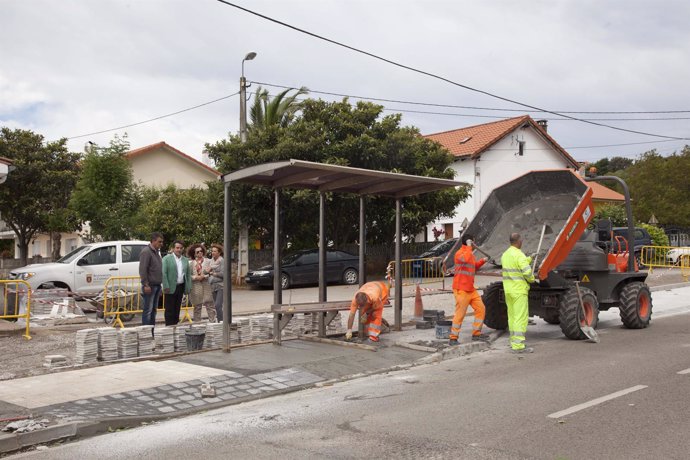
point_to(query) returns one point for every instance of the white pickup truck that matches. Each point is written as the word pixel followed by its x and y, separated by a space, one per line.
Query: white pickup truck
pixel 86 269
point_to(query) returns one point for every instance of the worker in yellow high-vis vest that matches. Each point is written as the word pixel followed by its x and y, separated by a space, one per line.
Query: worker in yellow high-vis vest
pixel 517 275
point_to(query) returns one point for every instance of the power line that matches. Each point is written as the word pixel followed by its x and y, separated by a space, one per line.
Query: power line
pixel 452 106
pixel 154 119
pixel 444 79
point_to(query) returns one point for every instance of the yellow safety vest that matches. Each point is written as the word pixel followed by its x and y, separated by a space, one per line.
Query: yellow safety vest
pixel 516 270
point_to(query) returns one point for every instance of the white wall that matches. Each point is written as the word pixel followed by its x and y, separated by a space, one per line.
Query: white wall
pixel 498 165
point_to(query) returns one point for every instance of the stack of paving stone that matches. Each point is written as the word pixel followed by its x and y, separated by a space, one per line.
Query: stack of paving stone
pixel 234 334
pixel 146 343
pixel 336 326
pixel 165 340
pixel 179 338
pixel 302 323
pixel 87 346
pixel 127 343
pixel 261 327
pixel 214 335
pixel 107 344
pixel 43 300
pixel 51 361
pixel 244 331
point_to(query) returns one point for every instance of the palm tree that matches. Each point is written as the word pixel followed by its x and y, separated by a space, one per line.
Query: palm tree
pixel 277 110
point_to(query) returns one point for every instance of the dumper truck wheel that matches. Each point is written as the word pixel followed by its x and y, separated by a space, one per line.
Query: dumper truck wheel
pixel 572 315
pixel 552 316
pixel 496 309
pixel 636 305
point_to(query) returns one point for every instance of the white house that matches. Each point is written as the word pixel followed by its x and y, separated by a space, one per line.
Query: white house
pixel 489 155
pixel 155 165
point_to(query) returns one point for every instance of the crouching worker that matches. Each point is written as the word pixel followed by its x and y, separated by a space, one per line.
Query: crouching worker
pixel 465 293
pixel 369 300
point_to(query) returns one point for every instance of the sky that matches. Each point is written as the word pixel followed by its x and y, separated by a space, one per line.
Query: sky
pixel 77 67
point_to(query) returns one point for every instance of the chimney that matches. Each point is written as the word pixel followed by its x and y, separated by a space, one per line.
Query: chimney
pixel 544 124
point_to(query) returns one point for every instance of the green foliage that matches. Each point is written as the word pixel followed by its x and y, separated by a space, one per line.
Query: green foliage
pixel 614 165
pixel 193 215
pixel 105 195
pixel 343 134
pixel 33 198
pixel 659 237
pixel 659 185
pixel 613 212
pixel 277 110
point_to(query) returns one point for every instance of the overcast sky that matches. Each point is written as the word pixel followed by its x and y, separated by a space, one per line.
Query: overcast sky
pixel 74 67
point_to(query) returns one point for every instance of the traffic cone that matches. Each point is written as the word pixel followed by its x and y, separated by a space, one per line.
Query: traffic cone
pixel 418 306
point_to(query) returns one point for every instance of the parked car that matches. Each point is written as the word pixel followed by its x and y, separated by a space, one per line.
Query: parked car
pixel 674 255
pixel 85 269
pixel 434 266
pixel 302 267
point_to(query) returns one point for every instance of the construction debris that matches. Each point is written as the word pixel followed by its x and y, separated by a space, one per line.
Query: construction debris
pixel 26 426
pixel 207 390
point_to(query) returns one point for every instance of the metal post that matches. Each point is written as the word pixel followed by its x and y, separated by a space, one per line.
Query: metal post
pixel 362 243
pixel 227 277
pixel 277 269
pixel 323 242
pixel 398 265
pixel 243 107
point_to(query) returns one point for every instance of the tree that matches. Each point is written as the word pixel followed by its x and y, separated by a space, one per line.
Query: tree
pixel 343 134
pixel 614 165
pixel 614 212
pixel 33 198
pixel 193 215
pixel 278 110
pixel 105 195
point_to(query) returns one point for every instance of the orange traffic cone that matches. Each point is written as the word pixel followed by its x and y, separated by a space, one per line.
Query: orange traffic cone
pixel 418 306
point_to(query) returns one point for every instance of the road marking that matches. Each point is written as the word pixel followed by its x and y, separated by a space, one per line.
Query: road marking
pixel 594 402
pixel 686 371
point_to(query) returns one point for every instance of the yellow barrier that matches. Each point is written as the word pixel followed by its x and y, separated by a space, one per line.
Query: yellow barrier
pixel 662 256
pixel 685 266
pixel 122 299
pixel 17 288
pixel 418 271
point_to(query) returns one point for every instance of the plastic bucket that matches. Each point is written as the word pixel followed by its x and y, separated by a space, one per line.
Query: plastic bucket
pixel 443 329
pixel 195 339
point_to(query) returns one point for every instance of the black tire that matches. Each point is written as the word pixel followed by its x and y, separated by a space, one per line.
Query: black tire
pixel 496 310
pixel 552 316
pixel 636 305
pixel 638 259
pixel 350 276
pixel 571 314
pixel 285 281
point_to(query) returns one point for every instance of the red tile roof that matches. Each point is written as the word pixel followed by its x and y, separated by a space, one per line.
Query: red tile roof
pixel 159 145
pixel 603 193
pixel 474 140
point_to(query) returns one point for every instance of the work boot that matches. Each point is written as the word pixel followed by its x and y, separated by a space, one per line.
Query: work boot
pixel 374 343
pixel 523 350
pixel 453 342
pixel 481 338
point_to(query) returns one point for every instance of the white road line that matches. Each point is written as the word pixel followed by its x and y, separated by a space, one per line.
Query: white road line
pixel 594 402
pixel 686 371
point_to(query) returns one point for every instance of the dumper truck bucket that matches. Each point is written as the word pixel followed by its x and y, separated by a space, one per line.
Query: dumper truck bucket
pixel 558 198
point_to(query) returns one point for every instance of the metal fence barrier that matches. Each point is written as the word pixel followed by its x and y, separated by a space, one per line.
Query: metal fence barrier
pixel 12 293
pixel 685 266
pixel 122 300
pixel 420 271
pixel 653 257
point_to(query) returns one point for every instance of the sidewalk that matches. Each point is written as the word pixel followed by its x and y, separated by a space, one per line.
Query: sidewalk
pixel 94 400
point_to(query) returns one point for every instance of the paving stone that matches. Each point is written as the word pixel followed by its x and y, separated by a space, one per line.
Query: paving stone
pixel 166 409
pixel 171 401
pixel 254 391
pixel 197 402
pixel 226 396
pixel 178 385
pixel 155 403
pixel 244 380
pixel 267 381
pixel 243 387
pixel 177 392
pixel 240 394
pixel 281 379
pixel 165 387
pixel 145 398
pixel 279 386
pixel 256 384
pixel 194 383
pixel 187 398
pixel 150 391
pixel 191 390
pixel 212 400
pixel 266 388
pixel 259 376
pixel 183 406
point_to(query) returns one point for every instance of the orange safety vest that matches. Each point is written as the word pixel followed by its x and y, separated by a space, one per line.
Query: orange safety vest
pixel 465 267
pixel 376 291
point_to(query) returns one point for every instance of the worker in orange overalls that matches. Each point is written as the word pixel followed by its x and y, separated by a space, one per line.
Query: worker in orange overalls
pixel 369 300
pixel 465 293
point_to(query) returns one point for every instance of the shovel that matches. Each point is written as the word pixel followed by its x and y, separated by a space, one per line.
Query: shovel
pixel 545 230
pixel 489 258
pixel 589 331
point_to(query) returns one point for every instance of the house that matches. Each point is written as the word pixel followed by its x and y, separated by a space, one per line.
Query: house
pixel 155 165
pixel 5 168
pixel 491 154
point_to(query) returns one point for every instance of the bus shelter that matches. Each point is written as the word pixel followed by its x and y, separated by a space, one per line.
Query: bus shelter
pixel 324 178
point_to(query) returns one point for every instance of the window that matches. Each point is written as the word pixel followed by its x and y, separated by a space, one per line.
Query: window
pixel 101 256
pixel 309 258
pixel 36 248
pixel 131 252
pixel 70 244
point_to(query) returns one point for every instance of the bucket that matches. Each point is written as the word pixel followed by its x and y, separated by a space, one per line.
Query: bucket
pixel 195 339
pixel 443 329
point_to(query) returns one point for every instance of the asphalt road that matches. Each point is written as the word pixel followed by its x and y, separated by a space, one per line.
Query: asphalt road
pixel 624 398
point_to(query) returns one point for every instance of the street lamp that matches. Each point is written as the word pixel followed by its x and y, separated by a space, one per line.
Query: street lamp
pixel 243 99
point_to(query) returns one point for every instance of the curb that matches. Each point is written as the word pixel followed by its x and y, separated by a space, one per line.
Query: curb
pixel 460 350
pixel 668 287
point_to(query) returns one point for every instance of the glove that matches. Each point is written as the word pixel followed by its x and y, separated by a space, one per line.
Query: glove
pixel 348 335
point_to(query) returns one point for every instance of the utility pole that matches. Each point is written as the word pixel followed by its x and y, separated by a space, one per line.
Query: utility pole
pixel 243 99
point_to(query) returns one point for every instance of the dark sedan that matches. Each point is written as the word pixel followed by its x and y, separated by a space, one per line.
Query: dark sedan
pixel 302 267
pixel 433 265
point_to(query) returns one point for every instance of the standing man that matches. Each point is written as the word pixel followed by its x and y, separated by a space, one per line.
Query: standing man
pixel 369 300
pixel 151 274
pixel 517 275
pixel 177 281
pixel 465 293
